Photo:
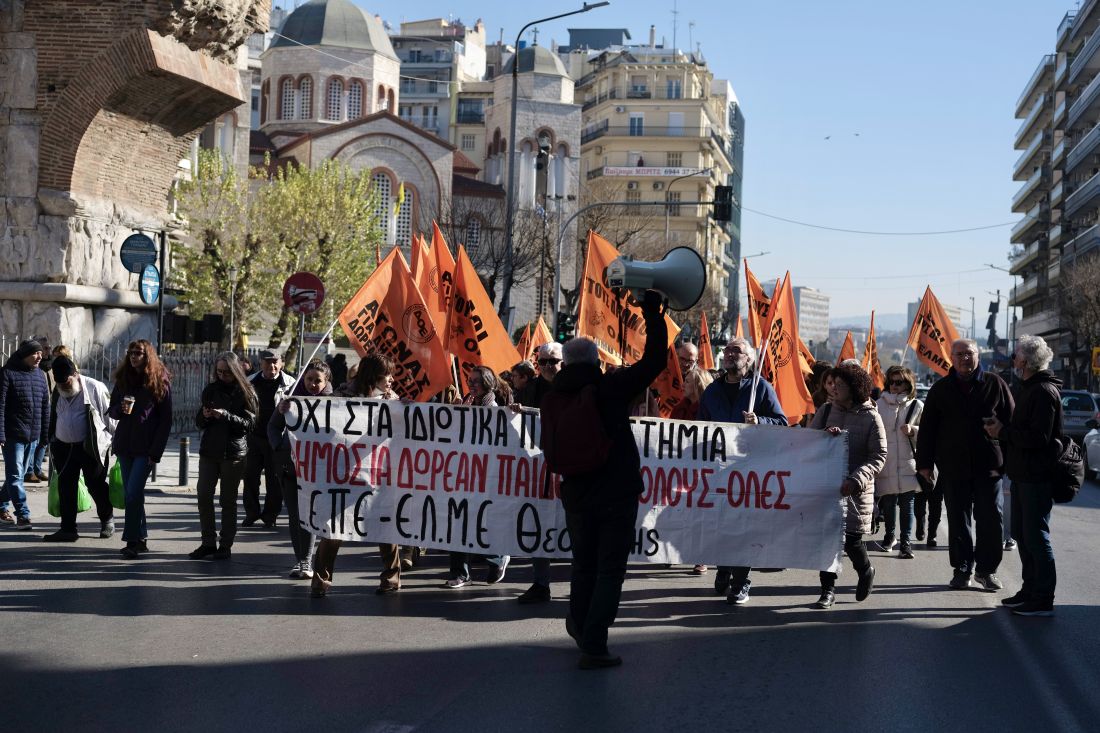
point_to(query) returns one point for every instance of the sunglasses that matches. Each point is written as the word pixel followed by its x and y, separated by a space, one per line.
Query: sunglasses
pixel 898 383
pixel 135 353
pixel 549 362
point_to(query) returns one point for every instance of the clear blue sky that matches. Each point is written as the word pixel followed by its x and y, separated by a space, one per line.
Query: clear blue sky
pixel 931 88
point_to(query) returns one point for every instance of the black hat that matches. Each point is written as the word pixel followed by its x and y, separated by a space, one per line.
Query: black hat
pixel 63 368
pixel 268 355
pixel 27 348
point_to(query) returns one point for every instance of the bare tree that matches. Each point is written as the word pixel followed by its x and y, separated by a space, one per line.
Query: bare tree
pixel 1079 307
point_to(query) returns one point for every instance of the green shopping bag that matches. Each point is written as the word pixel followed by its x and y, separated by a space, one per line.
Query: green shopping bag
pixel 53 499
pixel 117 490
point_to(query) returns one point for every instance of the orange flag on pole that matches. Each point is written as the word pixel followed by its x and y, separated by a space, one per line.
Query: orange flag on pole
pixel 541 335
pixel 806 358
pixel 600 313
pixel 847 349
pixel 932 334
pixel 670 385
pixel 421 259
pixel 435 278
pixel 739 329
pixel 870 361
pixel 759 306
pixel 388 315
pixel 706 351
pixel 475 334
pixel 524 345
pixel 781 364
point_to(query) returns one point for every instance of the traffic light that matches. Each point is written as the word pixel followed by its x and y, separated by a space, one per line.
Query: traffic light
pixel 567 322
pixel 723 203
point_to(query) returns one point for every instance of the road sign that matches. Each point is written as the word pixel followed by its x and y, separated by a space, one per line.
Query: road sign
pixel 137 252
pixel 303 292
pixel 149 286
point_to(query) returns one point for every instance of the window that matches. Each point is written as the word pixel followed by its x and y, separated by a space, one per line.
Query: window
pixel 673 210
pixel 674 160
pixel 468 142
pixel 404 218
pixel 382 210
pixel 676 123
pixel 473 236
pixel 672 89
pixel 637 124
pixel 335 99
pixel 305 94
pixel 633 195
pixel 286 103
pixel 355 100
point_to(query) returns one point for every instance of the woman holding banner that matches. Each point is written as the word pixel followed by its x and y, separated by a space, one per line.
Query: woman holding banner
pixel 850 409
pixel 373 379
pixel 898 483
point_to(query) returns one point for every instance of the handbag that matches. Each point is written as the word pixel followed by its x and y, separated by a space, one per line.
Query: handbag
pixel 53 498
pixel 116 487
pixel 927 486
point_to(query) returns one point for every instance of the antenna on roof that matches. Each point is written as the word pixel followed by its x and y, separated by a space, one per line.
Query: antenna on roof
pixel 675 14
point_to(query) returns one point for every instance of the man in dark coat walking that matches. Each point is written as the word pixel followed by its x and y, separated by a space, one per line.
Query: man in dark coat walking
pixel 24 421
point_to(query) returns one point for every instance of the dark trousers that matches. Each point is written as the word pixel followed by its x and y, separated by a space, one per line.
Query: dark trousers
pixel 893 505
pixel 930 504
pixel 261 460
pixel 228 472
pixel 857 553
pixel 1031 505
pixel 974 502
pixel 460 562
pixel 602 539
pixel 300 538
pixel 70 460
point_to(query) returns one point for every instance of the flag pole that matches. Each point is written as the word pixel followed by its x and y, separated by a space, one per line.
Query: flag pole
pixel 756 376
pixel 307 362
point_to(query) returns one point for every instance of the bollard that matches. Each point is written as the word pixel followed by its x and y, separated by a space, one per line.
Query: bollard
pixel 185 448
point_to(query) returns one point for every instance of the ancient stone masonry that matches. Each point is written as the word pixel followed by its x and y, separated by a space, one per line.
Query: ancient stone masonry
pixel 99 103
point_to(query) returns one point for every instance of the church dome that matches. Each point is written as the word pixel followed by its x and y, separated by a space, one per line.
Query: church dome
pixel 538 59
pixel 334 23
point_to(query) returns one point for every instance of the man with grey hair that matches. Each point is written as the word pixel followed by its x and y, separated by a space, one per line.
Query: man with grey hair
pixel 727 400
pixel 687 354
pixel 548 364
pixel 970 463
pixel 601 503
pixel 1031 443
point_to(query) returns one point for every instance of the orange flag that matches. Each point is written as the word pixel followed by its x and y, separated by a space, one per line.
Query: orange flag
pixel 389 316
pixel 781 364
pixel 475 334
pixel 759 306
pixel 599 310
pixel 806 358
pixel 932 334
pixel 706 351
pixel 435 278
pixel 524 345
pixel 870 361
pixel 670 385
pixel 847 349
pixel 739 330
pixel 541 335
pixel 421 259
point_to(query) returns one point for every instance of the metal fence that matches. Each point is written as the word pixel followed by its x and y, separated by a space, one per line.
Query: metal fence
pixel 191 367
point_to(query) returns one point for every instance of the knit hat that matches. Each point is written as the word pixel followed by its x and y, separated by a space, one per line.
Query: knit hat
pixel 27 348
pixel 63 368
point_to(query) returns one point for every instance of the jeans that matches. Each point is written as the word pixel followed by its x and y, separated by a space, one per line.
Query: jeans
pixel 229 471
pixel 930 504
pixel 300 538
pixel 135 472
pixel 39 456
pixel 1031 505
pixel 261 460
pixel 69 461
pixel 17 461
pixel 1006 508
pixel 889 504
pixel 460 563
pixel 977 502
pixel 857 553
pixel 602 539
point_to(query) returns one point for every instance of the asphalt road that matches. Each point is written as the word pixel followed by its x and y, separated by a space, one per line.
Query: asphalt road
pixel 92 642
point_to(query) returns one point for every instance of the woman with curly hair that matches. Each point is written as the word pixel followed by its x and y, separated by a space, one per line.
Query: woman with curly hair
pixel 142 403
pixel 850 409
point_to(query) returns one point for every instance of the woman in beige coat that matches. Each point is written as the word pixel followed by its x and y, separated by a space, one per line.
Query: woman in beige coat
pixel 896 485
pixel 850 410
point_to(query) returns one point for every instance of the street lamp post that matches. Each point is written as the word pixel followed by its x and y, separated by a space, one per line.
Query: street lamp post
pixel 509 214
pixel 232 307
pixel 1008 306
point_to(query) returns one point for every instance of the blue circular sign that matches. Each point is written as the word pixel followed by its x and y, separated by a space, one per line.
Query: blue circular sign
pixel 137 252
pixel 149 287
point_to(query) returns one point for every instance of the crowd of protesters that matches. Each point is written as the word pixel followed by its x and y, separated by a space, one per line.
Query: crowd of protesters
pixel 905 457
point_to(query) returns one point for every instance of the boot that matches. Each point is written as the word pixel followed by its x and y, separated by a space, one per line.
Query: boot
pixel 920 528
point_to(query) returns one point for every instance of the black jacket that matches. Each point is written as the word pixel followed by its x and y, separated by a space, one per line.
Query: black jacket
pixel 144 432
pixel 952 435
pixel 225 438
pixel 24 403
pixel 1029 438
pixel 621 477
pixel 531 395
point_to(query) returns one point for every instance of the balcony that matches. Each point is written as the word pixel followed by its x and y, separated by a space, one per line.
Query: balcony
pixel 1083 243
pixel 425 89
pixel 1060 114
pixel 605 129
pixel 1056 193
pixel 1054 237
pixel 594 132
pixel 1087 59
pixel 440 58
pixel 1086 195
pixel 1039 114
pixel 1036 219
pixel 1059 153
pixel 1054 272
pixel 1087 101
pixel 1035 85
pixel 1028 255
pixel 430 124
pixel 1085 22
pixel 470 117
pixel 1081 151
pixel 1061 70
pixel 1065 27
pixel 1030 192
pixel 1028 289
pixel 1040 143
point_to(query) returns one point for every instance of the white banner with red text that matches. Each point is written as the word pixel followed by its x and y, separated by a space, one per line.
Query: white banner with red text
pixel 472 479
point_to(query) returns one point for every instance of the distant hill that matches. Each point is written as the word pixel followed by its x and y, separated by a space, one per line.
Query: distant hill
pixel 883 321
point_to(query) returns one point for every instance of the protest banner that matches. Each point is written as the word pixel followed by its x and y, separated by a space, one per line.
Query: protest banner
pixel 388 315
pixel 847 349
pixel 614 321
pixel 475 334
pixel 870 361
pixel 472 479
pixel 932 334
pixel 759 310
pixel 781 365
pixel 706 350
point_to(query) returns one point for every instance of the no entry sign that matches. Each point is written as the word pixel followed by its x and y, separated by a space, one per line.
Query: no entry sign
pixel 303 292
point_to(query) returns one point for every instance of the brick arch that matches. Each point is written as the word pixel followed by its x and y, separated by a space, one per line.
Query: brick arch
pixel 129 115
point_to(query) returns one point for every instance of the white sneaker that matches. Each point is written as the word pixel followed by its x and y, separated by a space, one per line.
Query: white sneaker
pixel 296 571
pixel 307 568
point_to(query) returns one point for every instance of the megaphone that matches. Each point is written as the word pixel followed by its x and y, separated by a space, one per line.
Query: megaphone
pixel 681 277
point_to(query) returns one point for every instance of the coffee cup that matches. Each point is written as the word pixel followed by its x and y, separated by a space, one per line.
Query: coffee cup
pixel 127 405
